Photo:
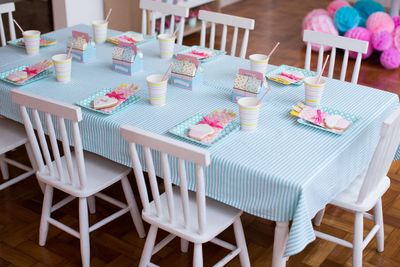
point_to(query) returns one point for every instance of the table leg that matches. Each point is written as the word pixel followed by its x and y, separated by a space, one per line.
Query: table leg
pixel 280 240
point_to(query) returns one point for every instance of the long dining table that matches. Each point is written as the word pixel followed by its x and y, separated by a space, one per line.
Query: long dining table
pixel 284 172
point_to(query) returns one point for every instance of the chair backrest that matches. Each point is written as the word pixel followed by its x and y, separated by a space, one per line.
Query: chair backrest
pixel 7 8
pixel 336 42
pixel 162 10
pixel 225 20
pixel 60 113
pixel 183 152
pixel 383 155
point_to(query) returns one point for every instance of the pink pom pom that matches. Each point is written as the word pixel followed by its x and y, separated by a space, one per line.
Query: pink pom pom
pixel 396 21
pixel 313 13
pixel 382 41
pixel 363 34
pixel 390 59
pixel 396 38
pixel 380 21
pixel 335 5
pixel 321 23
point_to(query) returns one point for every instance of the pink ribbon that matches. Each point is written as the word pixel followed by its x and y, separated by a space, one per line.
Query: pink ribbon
pixel 320 117
pixel 127 39
pixel 118 96
pixel 30 71
pixel 200 54
pixel 212 122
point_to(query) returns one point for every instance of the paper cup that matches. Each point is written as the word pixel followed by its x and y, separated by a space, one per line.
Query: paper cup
pixel 157 89
pixel 167 43
pixel 249 111
pixel 32 42
pixel 100 31
pixel 62 65
pixel 259 62
pixel 313 91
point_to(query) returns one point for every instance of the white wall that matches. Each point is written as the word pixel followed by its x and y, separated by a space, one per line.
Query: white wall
pixel 71 12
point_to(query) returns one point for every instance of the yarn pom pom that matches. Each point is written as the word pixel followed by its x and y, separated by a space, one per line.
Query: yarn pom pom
pixel 382 41
pixel 390 59
pixel 380 21
pixel 313 13
pixel 396 21
pixel 321 23
pixel 367 7
pixel 363 34
pixel 346 18
pixel 335 5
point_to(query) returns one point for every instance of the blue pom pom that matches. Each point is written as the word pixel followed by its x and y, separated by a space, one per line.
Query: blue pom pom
pixel 346 18
pixel 366 7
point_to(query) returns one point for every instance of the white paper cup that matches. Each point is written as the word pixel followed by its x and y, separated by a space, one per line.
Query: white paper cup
pixel 249 111
pixel 157 89
pixel 313 91
pixel 259 62
pixel 32 42
pixel 100 31
pixel 167 44
pixel 62 65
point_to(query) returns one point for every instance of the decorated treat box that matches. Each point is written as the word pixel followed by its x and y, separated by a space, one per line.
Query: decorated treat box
pixel 127 59
pixel 185 72
pixel 83 49
pixel 247 83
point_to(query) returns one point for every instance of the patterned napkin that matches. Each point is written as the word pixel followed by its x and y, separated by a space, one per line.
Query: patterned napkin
pixel 287 77
pixel 200 54
pixel 129 37
pixel 121 93
pixel 21 76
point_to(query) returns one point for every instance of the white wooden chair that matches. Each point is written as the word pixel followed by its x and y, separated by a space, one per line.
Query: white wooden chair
pixel 226 20
pixel 336 42
pixel 7 8
pixel 80 174
pixel 12 136
pixel 188 215
pixel 366 192
pixel 162 10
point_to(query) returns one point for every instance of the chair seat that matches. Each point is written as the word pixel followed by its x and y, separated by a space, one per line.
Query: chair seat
pixel 348 198
pixel 100 172
pixel 219 217
pixel 12 135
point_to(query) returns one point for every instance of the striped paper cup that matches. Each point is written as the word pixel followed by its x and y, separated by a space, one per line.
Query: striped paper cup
pixel 167 44
pixel 62 65
pixel 100 31
pixel 249 110
pixel 259 62
pixel 32 42
pixel 313 91
pixel 157 89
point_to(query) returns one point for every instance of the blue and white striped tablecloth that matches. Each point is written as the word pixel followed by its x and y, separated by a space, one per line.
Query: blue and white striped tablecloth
pixel 284 171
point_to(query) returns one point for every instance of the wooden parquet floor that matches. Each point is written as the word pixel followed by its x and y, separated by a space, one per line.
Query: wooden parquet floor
pixel 117 243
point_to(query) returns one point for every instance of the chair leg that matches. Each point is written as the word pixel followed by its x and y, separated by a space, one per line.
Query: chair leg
pixel 148 247
pixel 46 211
pixel 92 204
pixel 241 243
pixel 4 167
pixel 137 219
pixel 198 255
pixel 378 219
pixel 184 245
pixel 280 240
pixel 33 162
pixel 358 239
pixel 84 231
pixel 318 217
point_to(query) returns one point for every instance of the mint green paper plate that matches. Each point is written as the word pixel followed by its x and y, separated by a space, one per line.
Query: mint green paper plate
pixel 181 130
pixel 330 111
pixel 88 102
pixel 44 74
pixel 20 42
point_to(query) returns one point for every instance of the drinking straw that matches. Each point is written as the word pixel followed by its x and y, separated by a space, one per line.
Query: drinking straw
pixel 177 29
pixel 273 49
pixel 323 68
pixel 19 27
pixel 108 14
pixel 166 73
pixel 266 92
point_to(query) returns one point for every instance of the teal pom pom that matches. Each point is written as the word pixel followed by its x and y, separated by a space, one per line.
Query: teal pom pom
pixel 366 7
pixel 346 18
